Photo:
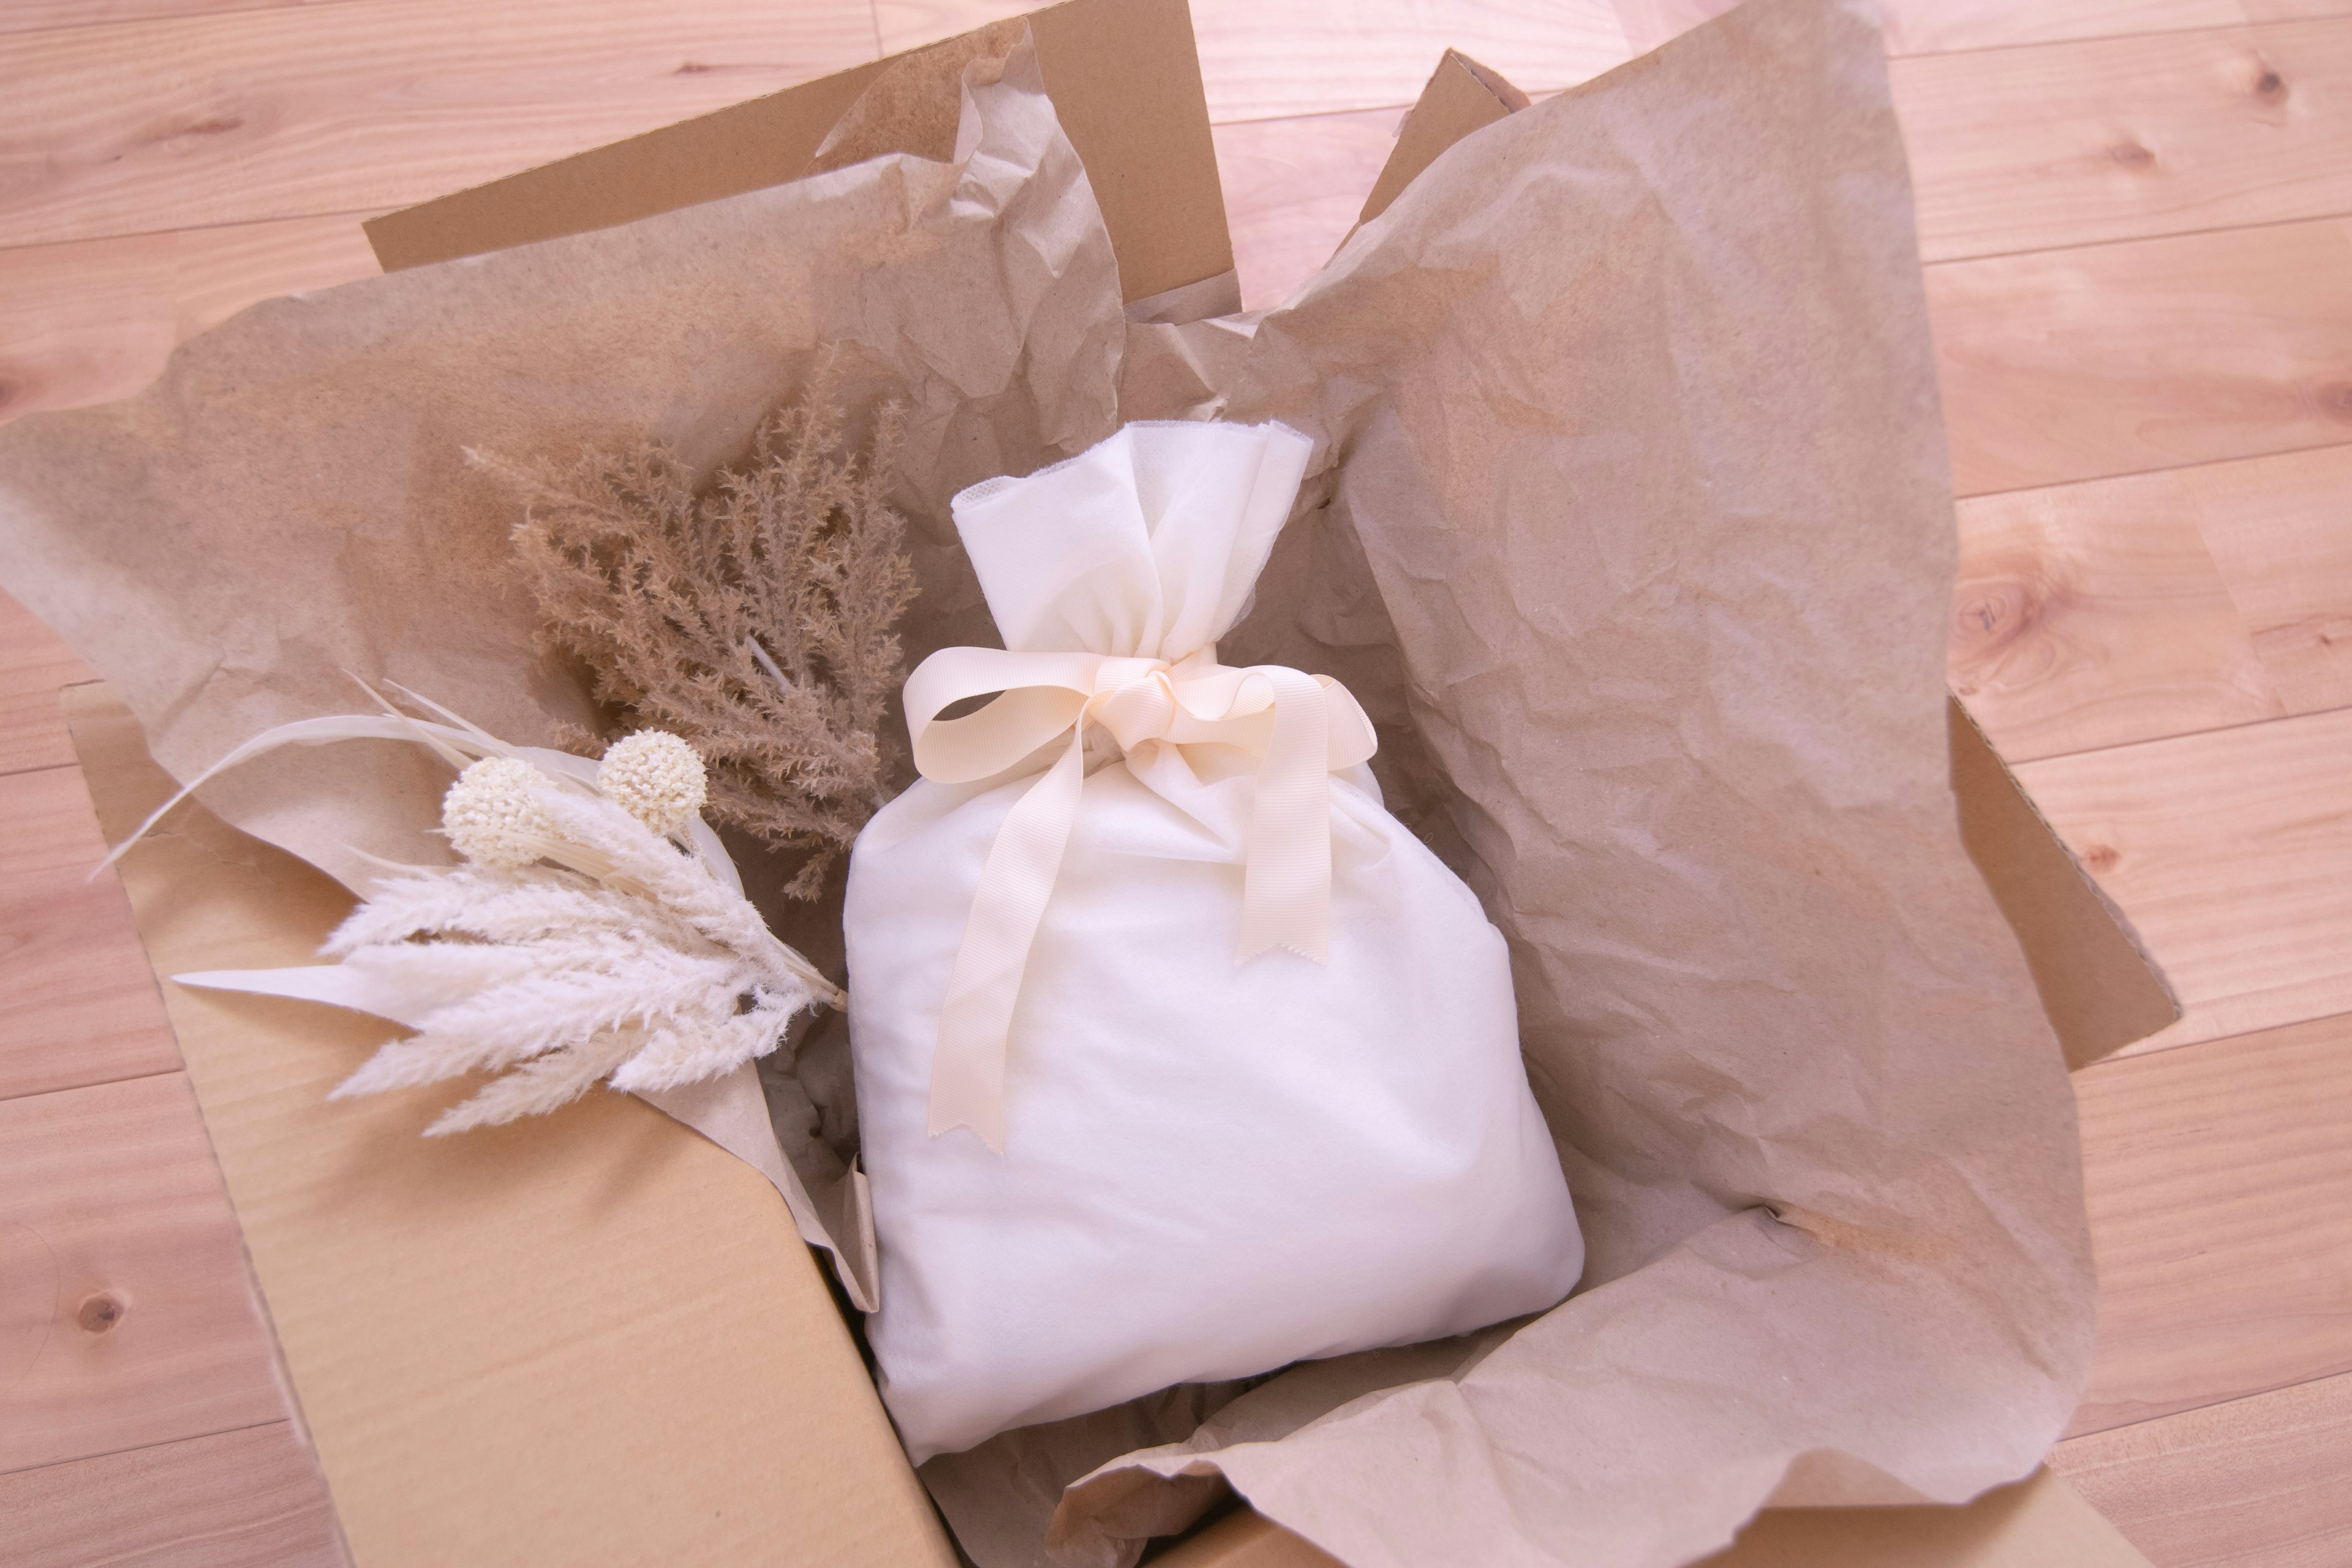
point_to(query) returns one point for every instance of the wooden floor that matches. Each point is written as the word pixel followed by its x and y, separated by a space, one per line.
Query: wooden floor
pixel 2137 216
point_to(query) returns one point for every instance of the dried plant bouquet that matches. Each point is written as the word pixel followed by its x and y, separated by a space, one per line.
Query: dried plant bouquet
pixel 756 616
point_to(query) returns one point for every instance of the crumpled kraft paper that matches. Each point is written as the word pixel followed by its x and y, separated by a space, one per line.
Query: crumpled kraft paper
pixel 291 504
pixel 1632 528
pixel 1631 432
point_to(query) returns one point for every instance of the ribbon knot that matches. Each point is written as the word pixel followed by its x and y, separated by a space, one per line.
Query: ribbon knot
pixel 1300 727
pixel 1139 711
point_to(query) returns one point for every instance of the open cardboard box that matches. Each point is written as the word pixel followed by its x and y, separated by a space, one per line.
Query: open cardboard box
pixel 597 1338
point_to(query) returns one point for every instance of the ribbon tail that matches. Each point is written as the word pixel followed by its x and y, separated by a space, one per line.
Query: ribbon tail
pixel 976 1018
pixel 1286 883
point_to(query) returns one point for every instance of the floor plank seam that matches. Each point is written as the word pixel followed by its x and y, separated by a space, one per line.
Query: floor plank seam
pixel 2239 1397
pixel 168 1442
pixel 181 1071
pixel 1318 114
pixel 2140 1050
pixel 2136 473
pixel 2184 735
pixel 2217 29
pixel 357 214
pixel 52 30
pixel 32 768
pixel 2156 238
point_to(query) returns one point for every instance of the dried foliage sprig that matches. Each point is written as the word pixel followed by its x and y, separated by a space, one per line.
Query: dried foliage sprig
pixel 756 617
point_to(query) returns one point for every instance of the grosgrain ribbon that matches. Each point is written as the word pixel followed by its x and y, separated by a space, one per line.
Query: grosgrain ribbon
pixel 1301 726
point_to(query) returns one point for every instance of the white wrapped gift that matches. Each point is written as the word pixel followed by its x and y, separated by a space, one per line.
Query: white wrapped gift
pixel 1178 1057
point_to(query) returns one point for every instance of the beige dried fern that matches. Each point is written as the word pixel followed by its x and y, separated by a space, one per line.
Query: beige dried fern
pixel 757 616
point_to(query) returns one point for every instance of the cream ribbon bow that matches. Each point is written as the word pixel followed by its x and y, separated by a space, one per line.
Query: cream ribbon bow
pixel 1301 726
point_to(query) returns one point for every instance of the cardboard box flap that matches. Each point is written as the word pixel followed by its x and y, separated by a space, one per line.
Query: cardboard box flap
pixel 1461 96
pixel 1125 80
pixel 2098 985
pixel 2038 1523
pixel 476 1326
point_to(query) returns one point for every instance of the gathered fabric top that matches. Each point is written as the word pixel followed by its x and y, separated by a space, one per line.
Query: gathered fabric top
pixel 1111 576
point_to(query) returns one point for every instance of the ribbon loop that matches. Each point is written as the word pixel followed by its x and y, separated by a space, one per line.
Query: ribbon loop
pixel 1303 728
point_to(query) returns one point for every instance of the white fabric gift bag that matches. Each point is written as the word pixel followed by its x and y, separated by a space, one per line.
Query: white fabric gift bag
pixel 1178 1058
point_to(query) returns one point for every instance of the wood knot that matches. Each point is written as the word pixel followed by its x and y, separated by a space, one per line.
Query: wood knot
pixel 2336 399
pixel 2133 156
pixel 100 1312
pixel 188 133
pixel 1994 614
pixel 2102 857
pixel 2270 87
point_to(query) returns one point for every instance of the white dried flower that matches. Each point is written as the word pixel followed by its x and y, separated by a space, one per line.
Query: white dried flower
pixel 655 777
pixel 493 815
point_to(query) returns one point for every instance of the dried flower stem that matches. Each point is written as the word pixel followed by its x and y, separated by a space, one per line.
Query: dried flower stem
pixel 757 618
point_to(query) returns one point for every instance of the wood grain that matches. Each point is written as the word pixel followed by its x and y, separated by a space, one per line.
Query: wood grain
pixel 89 321
pixel 1934 27
pixel 1942 27
pixel 33 665
pixel 2255 1483
pixel 130 1319
pixel 29 15
pixel 81 1008
pixel 2219 1181
pixel 2093 615
pixel 2107 139
pixel 2231 852
pixel 2151 605
pixel 2280 533
pixel 2119 359
pixel 369 103
pixel 1293 190
pixel 249 1498
pixel 1372 54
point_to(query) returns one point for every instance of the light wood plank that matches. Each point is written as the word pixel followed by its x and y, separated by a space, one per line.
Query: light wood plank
pixel 2119 359
pixel 369 103
pixel 130 1319
pixel 33 665
pixel 1936 27
pixel 2231 852
pixel 2219 1181
pixel 2280 531
pixel 1292 189
pixel 2093 616
pixel 251 1498
pixel 2127 609
pixel 30 15
pixel 1939 26
pixel 81 1008
pixel 1373 54
pixel 2081 143
pixel 1943 27
pixel 2255 1483
pixel 94 319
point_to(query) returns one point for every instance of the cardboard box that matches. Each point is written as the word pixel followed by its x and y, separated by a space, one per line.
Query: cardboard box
pixel 597 1338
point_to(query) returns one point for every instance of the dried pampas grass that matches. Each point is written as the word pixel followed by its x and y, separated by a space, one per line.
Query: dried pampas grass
pixel 595 930
pixel 613 955
pixel 756 617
